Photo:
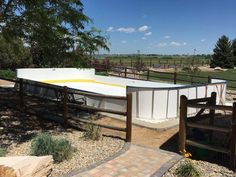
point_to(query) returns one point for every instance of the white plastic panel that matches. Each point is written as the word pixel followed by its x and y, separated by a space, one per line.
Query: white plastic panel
pixel 201 92
pixel 145 102
pixel 42 74
pixel 210 88
pixel 172 102
pixel 160 104
pixel 192 94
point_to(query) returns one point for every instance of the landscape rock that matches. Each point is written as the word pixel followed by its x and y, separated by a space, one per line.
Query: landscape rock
pixel 26 166
pixel 219 69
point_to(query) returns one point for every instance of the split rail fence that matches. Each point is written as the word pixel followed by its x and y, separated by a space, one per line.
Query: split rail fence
pixel 152 75
pixel 186 123
pixel 157 63
pixel 67 101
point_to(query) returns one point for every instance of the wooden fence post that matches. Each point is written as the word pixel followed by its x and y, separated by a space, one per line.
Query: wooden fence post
pixel 233 138
pixel 175 77
pixel 65 106
pixel 148 73
pixel 21 94
pixel 212 113
pixel 125 72
pixel 182 122
pixel 129 118
pixel 191 79
pixel 209 79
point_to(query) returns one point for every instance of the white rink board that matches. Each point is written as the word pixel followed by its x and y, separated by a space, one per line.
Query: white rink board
pixel 151 101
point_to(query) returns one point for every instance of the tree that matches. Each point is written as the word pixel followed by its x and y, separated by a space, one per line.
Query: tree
pixel 14 54
pixel 234 51
pixel 52 29
pixel 222 53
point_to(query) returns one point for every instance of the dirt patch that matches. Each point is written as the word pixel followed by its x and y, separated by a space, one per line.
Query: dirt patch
pixel 144 136
pixel 6 83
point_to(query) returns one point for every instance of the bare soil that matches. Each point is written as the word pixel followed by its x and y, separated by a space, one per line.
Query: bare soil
pixel 3 82
pixel 144 136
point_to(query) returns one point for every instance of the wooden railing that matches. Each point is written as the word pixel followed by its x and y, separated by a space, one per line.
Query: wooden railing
pixel 155 62
pixel 152 75
pixel 66 104
pixel 194 122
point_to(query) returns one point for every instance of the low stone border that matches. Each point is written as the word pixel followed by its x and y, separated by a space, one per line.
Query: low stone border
pixel 165 167
pixel 80 170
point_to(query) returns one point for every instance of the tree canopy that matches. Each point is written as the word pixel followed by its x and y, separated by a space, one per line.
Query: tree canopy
pixel 234 51
pixel 222 56
pixel 55 31
pixel 14 54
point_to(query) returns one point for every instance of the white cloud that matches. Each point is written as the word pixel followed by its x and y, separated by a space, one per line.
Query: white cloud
pixel 173 43
pixel 177 44
pixel 162 44
pixel 144 38
pixel 126 30
pixel 123 42
pixel 203 40
pixel 109 29
pixel 148 33
pixel 167 37
pixel 143 28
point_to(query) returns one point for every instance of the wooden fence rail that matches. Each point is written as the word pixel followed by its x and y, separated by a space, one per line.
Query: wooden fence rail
pixel 152 75
pixel 156 63
pixel 66 104
pixel 185 123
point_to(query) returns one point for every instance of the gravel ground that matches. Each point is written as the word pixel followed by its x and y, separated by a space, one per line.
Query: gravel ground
pixel 17 130
pixel 206 169
pixel 88 152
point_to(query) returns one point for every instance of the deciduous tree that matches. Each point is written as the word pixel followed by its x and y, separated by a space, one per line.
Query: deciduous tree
pixel 52 29
pixel 14 54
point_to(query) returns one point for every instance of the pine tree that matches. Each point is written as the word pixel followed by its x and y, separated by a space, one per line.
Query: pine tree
pixel 222 56
pixel 234 52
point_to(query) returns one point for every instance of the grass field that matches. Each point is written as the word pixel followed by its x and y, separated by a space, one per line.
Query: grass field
pixel 197 77
pixel 8 74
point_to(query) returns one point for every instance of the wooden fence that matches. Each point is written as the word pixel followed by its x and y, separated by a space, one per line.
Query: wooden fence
pixel 195 122
pixel 152 75
pixel 158 63
pixel 66 103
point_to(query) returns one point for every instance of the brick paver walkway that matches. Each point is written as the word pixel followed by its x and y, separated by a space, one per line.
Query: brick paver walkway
pixel 136 161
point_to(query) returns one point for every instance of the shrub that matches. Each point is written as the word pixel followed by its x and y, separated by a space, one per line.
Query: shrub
pixel 62 150
pixel 2 152
pixel 44 144
pixel 92 132
pixel 187 169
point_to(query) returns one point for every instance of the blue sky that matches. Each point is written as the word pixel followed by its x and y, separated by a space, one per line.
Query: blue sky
pixel 163 26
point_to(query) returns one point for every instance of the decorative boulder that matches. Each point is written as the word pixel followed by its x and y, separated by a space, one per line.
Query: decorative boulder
pixel 26 166
pixel 219 69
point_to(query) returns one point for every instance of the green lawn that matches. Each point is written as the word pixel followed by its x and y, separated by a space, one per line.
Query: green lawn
pixel 7 73
pixel 187 78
